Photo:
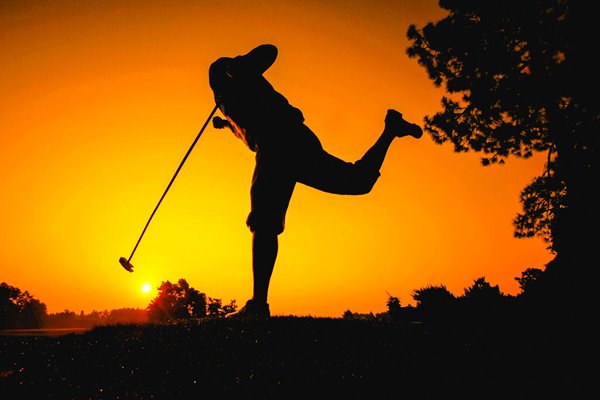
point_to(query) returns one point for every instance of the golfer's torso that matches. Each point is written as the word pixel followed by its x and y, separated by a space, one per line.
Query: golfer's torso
pixel 256 111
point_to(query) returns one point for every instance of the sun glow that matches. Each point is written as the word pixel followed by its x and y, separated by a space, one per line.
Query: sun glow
pixel 146 288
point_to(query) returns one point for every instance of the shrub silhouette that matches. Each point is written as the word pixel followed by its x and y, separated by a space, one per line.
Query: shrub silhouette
pixel 435 303
pixel 394 307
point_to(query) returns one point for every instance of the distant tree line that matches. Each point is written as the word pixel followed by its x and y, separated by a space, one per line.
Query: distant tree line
pixel 481 302
pixel 174 302
pixel 20 310
pixel 70 319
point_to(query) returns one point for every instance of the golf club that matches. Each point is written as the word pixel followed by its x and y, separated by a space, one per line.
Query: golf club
pixel 126 262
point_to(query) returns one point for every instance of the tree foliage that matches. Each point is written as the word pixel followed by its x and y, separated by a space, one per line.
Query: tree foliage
pixel 520 81
pixel 433 296
pixel 19 309
pixel 180 301
pixel 485 301
pixel 177 301
pixel 434 299
pixel 483 292
pixel 480 303
pixel 215 308
pixel 394 307
pixel 435 303
pixel 529 279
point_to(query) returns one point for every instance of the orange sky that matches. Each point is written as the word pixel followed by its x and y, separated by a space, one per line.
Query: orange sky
pixel 101 100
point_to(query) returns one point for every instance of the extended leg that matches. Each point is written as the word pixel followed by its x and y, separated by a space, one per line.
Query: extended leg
pixel 328 173
pixel 395 126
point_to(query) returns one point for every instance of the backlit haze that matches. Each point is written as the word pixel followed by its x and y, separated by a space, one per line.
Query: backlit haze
pixel 100 100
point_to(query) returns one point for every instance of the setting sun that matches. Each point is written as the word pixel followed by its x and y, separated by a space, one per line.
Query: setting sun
pixel 146 288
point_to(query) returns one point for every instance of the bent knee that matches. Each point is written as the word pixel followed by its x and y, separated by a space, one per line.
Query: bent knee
pixel 363 186
pixel 267 223
pixel 362 181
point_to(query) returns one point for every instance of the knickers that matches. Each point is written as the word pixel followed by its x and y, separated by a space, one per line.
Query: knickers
pixel 280 164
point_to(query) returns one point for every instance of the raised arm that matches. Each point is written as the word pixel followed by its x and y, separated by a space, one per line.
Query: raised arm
pixel 260 58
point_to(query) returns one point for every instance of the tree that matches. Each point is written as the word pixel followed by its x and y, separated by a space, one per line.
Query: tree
pixel 177 301
pixel 216 308
pixel 19 309
pixel 33 312
pixel 180 301
pixel 433 296
pixel 9 310
pixel 529 280
pixel 394 307
pixel 435 302
pixel 484 302
pixel 483 294
pixel 348 315
pixel 520 82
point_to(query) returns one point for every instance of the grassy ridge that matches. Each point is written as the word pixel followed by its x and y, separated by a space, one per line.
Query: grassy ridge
pixel 287 357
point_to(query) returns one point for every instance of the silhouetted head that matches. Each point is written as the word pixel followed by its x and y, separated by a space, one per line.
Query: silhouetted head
pixel 226 71
pixel 218 74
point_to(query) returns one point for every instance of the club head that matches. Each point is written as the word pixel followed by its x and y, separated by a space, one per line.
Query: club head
pixel 126 264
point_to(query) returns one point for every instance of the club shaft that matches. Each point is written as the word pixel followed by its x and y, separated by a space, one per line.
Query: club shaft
pixel 172 180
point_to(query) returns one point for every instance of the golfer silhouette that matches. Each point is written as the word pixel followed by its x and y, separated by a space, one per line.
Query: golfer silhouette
pixel 287 152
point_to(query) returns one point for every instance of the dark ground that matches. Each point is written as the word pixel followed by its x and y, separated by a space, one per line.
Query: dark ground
pixel 294 357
